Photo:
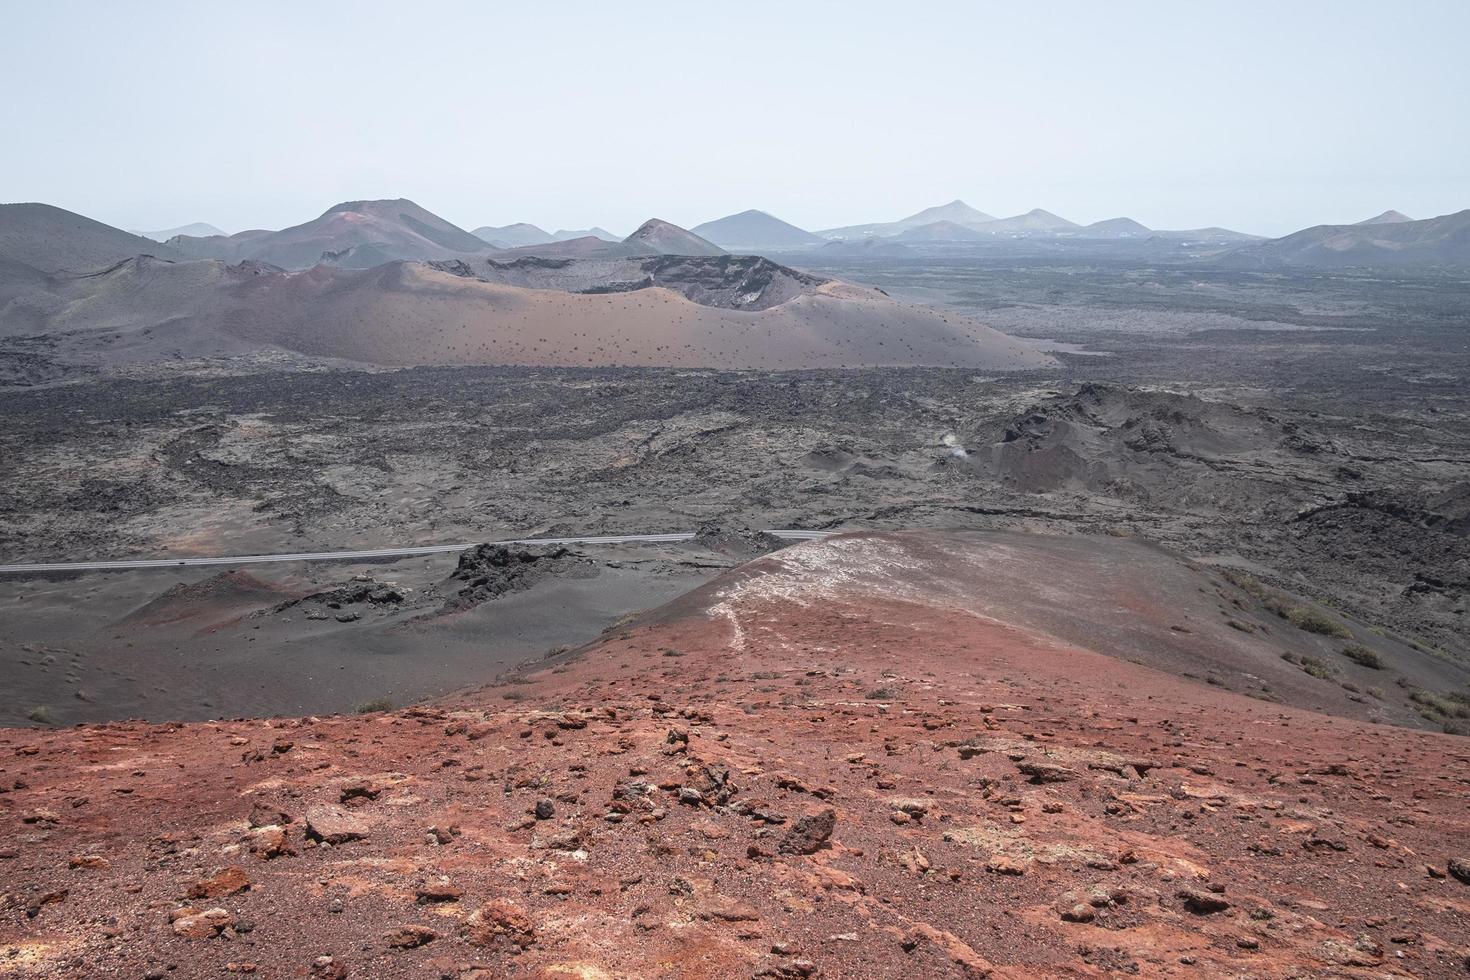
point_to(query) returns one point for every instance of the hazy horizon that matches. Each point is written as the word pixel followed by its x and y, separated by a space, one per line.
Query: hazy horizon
pixel 1247 115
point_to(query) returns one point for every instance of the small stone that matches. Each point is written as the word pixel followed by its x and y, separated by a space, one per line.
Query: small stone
pixel 1081 912
pixel 411 937
pixel 1002 864
pixel 1459 869
pixel 94 862
pixel 1203 903
pixel 438 891
pixel 545 809
pixel 728 910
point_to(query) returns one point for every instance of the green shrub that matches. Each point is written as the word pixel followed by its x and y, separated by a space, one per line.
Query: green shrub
pixel 375 705
pixel 1302 617
pixel 1316 668
pixel 1438 706
pixel 1362 656
pixel 1312 621
pixel 41 715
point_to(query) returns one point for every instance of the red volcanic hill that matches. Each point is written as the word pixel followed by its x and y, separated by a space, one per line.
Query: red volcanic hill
pixel 843 759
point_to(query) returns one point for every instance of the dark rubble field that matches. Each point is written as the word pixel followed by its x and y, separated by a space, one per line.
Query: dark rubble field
pixel 1313 432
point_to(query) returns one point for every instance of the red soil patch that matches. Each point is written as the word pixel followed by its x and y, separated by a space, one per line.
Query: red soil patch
pixel 1003 804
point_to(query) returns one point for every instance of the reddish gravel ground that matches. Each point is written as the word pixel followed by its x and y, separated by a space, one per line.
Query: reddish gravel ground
pixel 793 772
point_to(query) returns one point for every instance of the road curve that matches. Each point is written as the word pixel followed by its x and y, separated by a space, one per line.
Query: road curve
pixel 431 549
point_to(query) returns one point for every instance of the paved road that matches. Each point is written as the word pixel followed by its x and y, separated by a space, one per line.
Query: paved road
pixel 432 549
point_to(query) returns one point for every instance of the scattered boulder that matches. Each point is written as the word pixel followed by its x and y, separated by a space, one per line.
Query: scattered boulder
pixel 727 909
pixel 333 825
pixel 193 924
pixel 1046 772
pixel 1203 902
pixel 497 921
pixel 971 964
pixel 411 937
pixel 269 842
pixel 267 815
pixel 226 881
pixel 810 833
pixel 433 892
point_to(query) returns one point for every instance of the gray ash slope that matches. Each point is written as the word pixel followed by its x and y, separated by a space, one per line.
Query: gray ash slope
pixel 716 311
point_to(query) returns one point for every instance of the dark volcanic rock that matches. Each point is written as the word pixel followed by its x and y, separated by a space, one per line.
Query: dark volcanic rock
pixel 489 571
pixel 810 833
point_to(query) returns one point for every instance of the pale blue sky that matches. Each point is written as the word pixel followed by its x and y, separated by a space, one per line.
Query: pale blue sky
pixel 1260 116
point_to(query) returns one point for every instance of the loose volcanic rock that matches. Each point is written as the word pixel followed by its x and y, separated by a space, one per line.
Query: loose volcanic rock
pixel 1046 772
pixel 499 921
pixel 226 881
pixel 202 925
pixel 266 815
pixel 410 937
pixel 810 833
pixel 1202 902
pixel 438 891
pixel 333 825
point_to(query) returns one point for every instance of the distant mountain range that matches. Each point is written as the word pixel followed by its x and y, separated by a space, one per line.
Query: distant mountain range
pixel 1390 239
pixel 662 297
pixel 198 229
pixel 958 222
pixel 41 245
pixel 754 229
pixel 522 234
pixel 1386 218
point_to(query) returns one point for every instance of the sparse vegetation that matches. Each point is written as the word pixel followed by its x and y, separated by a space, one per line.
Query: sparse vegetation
pixel 1363 656
pixel 1306 618
pixel 1301 616
pixel 1316 668
pixel 1439 707
pixel 41 715
pixel 374 706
